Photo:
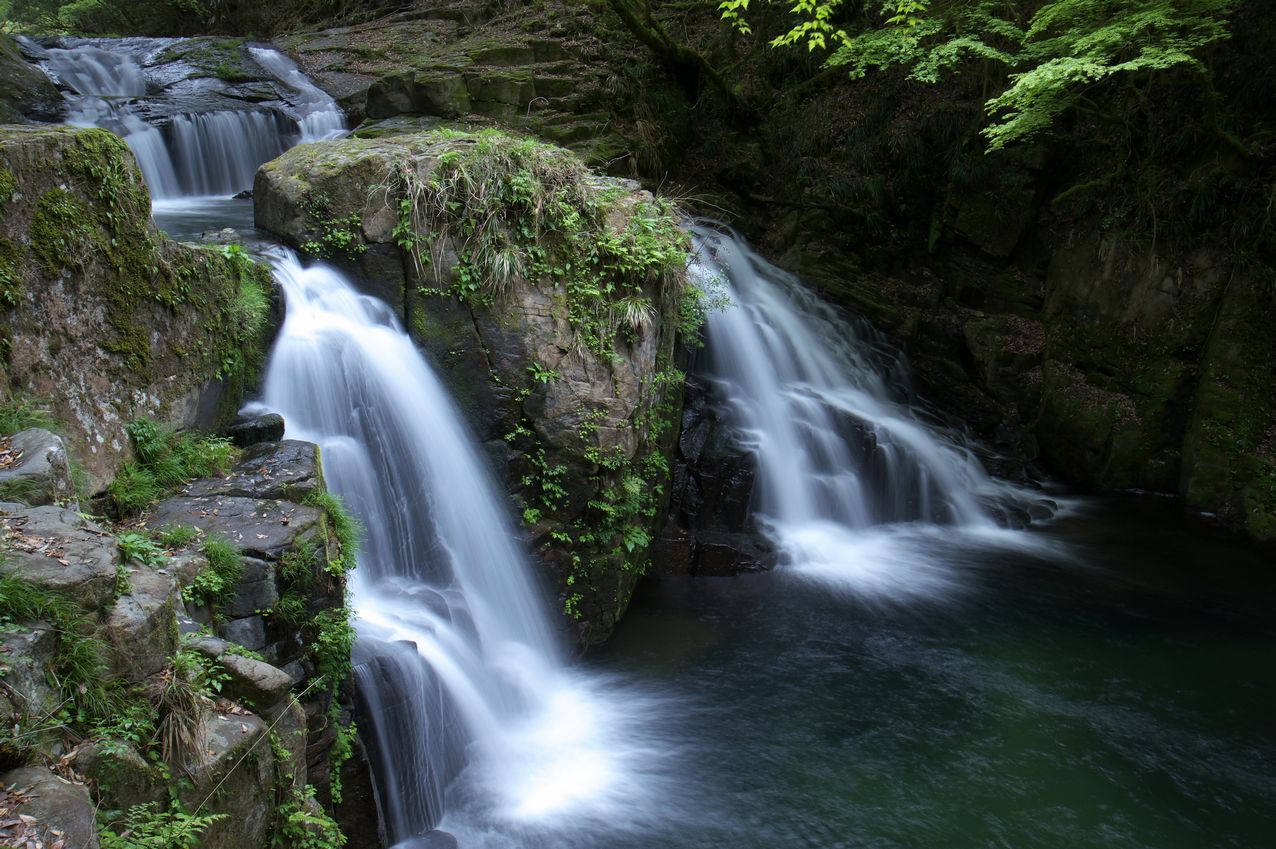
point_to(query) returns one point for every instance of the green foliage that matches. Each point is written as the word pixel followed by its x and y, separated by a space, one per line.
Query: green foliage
pixel 333 641
pixel 182 698
pixel 215 585
pixel 176 536
pixel 248 313
pixel 303 825
pixel 333 236
pixel 344 527
pixel 135 546
pixel 1053 52
pixel 17 414
pixel 148 827
pixel 165 460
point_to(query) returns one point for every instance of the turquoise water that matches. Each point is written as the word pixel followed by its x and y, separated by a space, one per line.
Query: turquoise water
pixel 1109 684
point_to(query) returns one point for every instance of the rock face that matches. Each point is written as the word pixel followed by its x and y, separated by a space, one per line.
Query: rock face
pixel 270 729
pixel 566 376
pixel 708 530
pixel 542 69
pixel 101 316
pixel 38 471
pixel 26 94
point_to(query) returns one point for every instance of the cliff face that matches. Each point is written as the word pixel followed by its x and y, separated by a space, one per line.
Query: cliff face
pixel 549 300
pixel 101 316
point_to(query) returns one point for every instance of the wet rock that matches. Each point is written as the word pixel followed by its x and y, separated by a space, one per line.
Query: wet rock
pixel 56 804
pixel 250 430
pixel 109 321
pixel 26 94
pixel 225 236
pixel 122 776
pixel 430 840
pixel 249 632
pixel 40 473
pixel 58 549
pixel 261 528
pixel 287 470
pixel 246 194
pixel 142 626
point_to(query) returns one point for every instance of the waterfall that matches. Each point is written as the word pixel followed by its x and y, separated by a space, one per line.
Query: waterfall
pixel 458 667
pixel 848 457
pixel 196 142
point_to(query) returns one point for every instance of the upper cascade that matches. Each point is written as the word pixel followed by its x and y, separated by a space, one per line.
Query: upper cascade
pixel 200 119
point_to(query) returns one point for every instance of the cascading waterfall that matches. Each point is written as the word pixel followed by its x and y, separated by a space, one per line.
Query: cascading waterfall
pixel 457 664
pixel 209 151
pixel 841 444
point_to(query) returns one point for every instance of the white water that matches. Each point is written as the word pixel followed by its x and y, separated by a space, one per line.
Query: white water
pixel 206 153
pixel 853 480
pixel 456 660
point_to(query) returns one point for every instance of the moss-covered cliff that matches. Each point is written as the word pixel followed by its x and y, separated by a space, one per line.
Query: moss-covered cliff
pixel 103 317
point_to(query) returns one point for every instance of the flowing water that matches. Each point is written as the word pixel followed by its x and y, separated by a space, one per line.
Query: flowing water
pixel 192 136
pixel 915 674
pixel 458 665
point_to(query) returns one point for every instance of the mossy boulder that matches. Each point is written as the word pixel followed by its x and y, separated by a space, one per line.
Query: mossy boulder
pixel 100 314
pixel 549 300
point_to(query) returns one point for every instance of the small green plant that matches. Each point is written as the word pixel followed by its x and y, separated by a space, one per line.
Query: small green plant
pixel 182 697
pixel 303 825
pixel 174 537
pixel 542 374
pixel 344 526
pixel 148 827
pixel 215 585
pixel 165 460
pixel 80 670
pixel 333 236
pixel 21 413
pixel 135 546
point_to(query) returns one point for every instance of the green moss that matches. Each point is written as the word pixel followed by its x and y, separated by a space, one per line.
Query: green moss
pixel 61 238
pixel 343 527
pixel 215 585
pixel 7 185
pixel 12 286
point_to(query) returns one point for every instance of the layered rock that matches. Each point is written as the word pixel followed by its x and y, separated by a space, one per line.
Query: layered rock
pixel 270 728
pixel 557 342
pixel 100 315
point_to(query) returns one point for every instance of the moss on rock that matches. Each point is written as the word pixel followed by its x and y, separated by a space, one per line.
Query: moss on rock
pixel 92 289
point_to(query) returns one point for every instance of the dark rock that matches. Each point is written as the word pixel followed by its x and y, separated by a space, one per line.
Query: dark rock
pixel 250 430
pixel 41 474
pixel 287 470
pixel 255 592
pixel 56 804
pixel 246 194
pixel 262 528
pixel 249 632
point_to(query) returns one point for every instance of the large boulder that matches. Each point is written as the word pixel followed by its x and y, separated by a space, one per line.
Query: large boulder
pixel 57 808
pixel 34 469
pixel 559 350
pixel 58 549
pixel 100 314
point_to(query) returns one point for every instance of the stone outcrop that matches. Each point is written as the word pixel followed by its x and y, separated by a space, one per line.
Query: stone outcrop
pixel 35 470
pixel 101 316
pixel 576 407
pixel 26 94
pixel 283 697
